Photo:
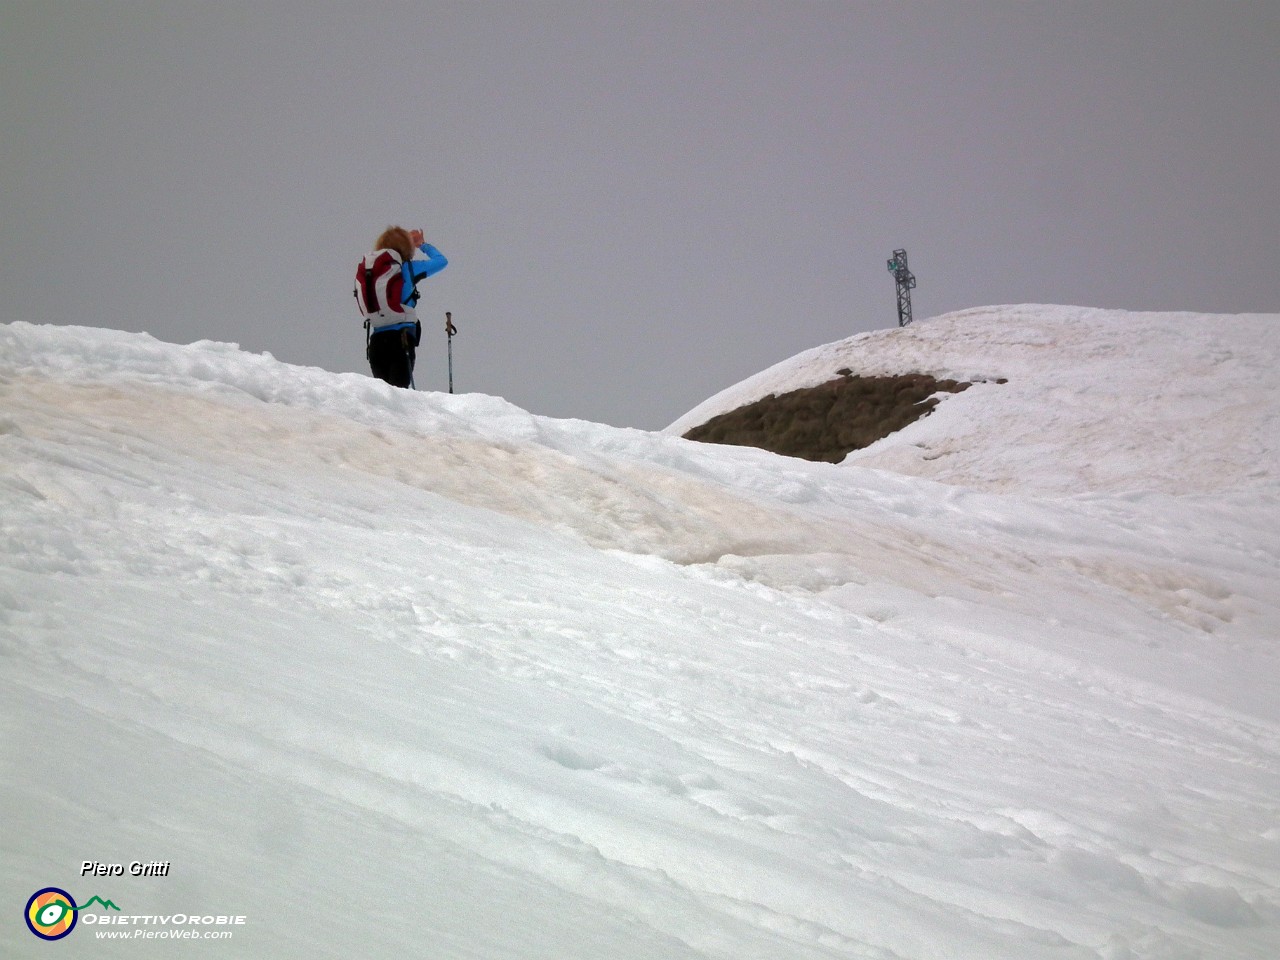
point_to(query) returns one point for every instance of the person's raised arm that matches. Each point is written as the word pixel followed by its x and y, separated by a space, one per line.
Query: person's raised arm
pixel 421 269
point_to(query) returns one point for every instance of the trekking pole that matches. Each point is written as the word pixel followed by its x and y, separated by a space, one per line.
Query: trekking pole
pixel 450 330
pixel 408 358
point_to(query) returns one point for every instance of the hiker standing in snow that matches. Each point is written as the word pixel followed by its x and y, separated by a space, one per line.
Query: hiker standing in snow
pixel 387 291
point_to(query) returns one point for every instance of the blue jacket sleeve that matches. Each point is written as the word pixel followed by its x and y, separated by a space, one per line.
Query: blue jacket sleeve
pixel 415 271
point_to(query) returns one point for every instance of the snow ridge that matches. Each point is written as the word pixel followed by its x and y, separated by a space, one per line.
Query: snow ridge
pixel 1095 400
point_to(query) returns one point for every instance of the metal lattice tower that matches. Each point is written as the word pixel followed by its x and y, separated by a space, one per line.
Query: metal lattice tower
pixel 906 283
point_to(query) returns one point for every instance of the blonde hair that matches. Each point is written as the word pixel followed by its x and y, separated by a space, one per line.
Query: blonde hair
pixel 397 239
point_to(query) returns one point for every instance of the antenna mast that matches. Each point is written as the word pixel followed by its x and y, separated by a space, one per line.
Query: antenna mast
pixel 906 283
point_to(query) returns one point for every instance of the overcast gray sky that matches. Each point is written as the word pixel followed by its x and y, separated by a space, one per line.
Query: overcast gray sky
pixel 642 202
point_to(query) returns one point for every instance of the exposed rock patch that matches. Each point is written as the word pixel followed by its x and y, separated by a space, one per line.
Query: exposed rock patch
pixel 828 421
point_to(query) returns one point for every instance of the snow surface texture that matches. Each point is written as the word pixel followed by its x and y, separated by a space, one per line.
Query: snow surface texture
pixel 400 674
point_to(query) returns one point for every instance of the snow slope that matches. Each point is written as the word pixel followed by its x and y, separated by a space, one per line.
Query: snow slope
pixel 1095 400
pixel 405 674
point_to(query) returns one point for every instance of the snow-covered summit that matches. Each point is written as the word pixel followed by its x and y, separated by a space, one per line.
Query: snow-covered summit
pixel 396 674
pixel 1092 400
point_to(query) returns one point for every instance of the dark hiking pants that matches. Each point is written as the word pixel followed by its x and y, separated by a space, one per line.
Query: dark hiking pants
pixel 392 355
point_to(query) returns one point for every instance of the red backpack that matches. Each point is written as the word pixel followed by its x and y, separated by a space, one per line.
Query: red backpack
pixel 379 287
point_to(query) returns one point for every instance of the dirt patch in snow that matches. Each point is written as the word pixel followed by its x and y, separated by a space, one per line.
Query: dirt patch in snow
pixel 829 421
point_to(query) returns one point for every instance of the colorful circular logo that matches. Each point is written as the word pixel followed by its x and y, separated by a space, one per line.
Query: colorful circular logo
pixel 51 913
